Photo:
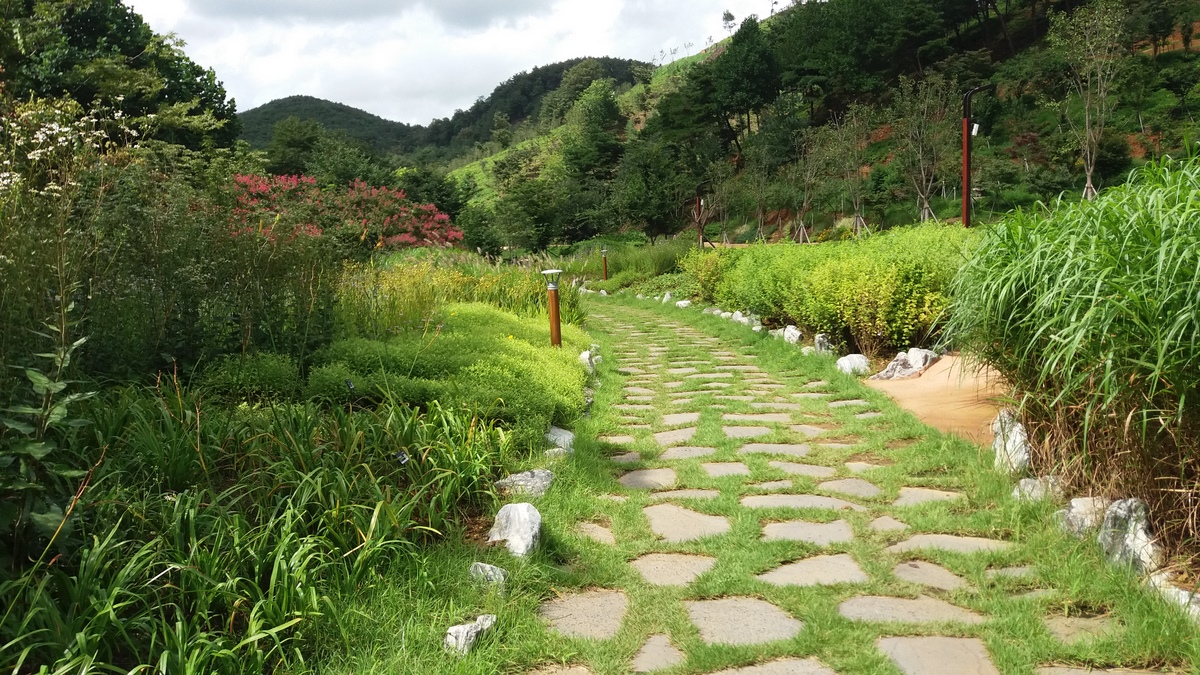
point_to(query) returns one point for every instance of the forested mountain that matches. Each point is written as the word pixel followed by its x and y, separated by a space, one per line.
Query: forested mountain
pixel 527 97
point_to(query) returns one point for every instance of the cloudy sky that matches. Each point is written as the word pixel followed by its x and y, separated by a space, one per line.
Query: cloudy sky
pixel 414 60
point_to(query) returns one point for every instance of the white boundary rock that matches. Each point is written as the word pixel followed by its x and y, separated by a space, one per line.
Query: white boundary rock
pixel 519 526
pixel 561 438
pixel 461 638
pixel 854 364
pixel 1083 515
pixel 1011 444
pixel 488 574
pixel 534 483
pixel 792 335
pixel 1125 536
pixel 683 304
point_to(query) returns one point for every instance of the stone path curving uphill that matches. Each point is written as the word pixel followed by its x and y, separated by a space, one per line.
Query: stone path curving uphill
pixel 769 523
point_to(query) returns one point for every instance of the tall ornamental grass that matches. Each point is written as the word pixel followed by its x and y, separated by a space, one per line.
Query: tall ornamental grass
pixel 1092 312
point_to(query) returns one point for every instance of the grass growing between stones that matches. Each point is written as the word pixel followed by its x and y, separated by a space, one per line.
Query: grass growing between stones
pixel 398 628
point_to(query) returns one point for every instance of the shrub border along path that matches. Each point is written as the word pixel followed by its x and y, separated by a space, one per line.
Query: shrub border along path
pixel 585 602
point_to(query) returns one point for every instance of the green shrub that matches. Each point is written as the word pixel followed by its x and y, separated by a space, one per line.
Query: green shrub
pixel 1090 310
pixel 254 377
pixel 887 290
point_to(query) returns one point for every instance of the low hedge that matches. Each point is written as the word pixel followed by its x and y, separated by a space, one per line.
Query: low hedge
pixel 886 290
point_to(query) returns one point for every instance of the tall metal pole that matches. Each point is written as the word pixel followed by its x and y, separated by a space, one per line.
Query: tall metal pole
pixel 604 262
pixel 966 152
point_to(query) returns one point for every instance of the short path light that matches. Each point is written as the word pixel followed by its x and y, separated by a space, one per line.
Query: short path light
pixel 604 262
pixel 552 293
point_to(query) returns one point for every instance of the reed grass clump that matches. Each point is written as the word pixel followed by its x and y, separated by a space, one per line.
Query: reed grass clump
pixel 1092 312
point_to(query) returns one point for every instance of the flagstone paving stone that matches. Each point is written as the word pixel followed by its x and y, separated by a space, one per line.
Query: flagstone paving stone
pixel 672 569
pixel 887 524
pixel 823 570
pixel 928 574
pixel 924 609
pixel 846 404
pixel 681 418
pixel 591 614
pixel 812 470
pixel 741 621
pixel 810 666
pixel 774 485
pixel 656 654
pixel 798 502
pixel 821 534
pixel 686 452
pixel 618 440
pixel 725 397
pixel 869 415
pixel 717 385
pixel 686 494
pixel 855 487
pixel 937 655
pixel 597 532
pixel 676 524
pixel 773 406
pixel 910 496
pixel 745 432
pixel 809 430
pixel 817 384
pixel 759 417
pixel 721 469
pixel 675 436
pixel 949 542
pixel 862 467
pixel 627 458
pixel 648 479
pixel 1020 572
pixel 791 449
pixel 1072 630
pixel 638 390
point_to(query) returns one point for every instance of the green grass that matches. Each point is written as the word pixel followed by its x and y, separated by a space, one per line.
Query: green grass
pixel 398 626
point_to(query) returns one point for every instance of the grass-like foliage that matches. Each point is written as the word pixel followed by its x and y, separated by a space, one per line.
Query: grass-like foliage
pixel 1092 311
pixel 887 290
pixel 206 538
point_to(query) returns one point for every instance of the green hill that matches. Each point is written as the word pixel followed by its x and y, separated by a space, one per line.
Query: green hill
pixel 380 134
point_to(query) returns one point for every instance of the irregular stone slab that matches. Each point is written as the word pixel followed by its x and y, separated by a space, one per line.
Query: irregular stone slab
pixel 725 397
pixel 618 440
pixel 855 487
pixel 810 666
pixel 639 399
pixel 681 418
pixel 836 446
pixel 758 417
pixel 1022 572
pixel 774 406
pixel 887 524
pixel 591 614
pixel 745 432
pixel 793 449
pixel 810 470
pixel 488 574
pixel 809 430
pixel 720 469
pixel 823 570
pixel 1072 630
pixel 862 467
pixel 687 494
pixel 936 655
pixel 597 533
pixel 797 502
pixel 810 395
pixel 816 384
pixel 627 458
pixel 709 376
pixel 648 479
pixel 849 403
pixel 744 369
pixel 519 526
pixel 681 371
pixel 910 496
pixel 774 485
pixel 633 406
pixel 1068 670
pixel 656 654
pixel 631 370
pixel 673 385
pixel 716 385
pixel 949 542
pixel 532 483
pixel 676 524
pixel 884 609
pixel 460 639
pixel 1084 514
pixel 686 452
pixel 928 574
pixel 821 534
pixel 741 621
pixel 869 415
pixel 675 436
pixel 672 569
pixel 638 390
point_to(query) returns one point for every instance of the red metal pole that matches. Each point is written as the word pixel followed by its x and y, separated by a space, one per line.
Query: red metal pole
pixel 555 326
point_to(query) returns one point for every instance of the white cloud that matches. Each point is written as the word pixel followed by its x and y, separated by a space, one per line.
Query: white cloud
pixel 414 60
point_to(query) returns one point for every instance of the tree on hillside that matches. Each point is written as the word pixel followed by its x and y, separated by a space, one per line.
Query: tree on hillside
pixel 579 77
pixel 728 20
pixel 746 77
pixel 1091 42
pixel 925 130
pixel 592 143
pixel 648 191
pixel 292 146
pixel 850 136
pixel 806 173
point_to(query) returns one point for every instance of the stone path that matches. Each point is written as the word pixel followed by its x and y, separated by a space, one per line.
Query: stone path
pixel 755 510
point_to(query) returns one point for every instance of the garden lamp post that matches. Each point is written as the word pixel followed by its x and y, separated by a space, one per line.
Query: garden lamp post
pixel 552 277
pixel 604 262
pixel 966 152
